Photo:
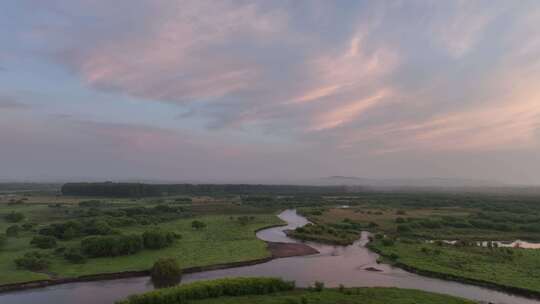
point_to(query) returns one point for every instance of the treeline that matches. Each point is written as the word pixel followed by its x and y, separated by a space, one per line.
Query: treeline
pixel 109 189
pixel 211 289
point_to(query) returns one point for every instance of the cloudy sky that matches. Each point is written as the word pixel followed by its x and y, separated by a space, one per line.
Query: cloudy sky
pixel 242 91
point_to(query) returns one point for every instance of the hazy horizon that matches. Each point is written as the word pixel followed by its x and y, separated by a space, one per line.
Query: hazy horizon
pixel 280 91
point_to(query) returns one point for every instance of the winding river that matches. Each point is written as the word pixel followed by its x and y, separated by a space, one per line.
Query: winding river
pixel 334 265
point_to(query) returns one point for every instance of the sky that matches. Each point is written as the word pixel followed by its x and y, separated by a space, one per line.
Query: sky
pixel 275 91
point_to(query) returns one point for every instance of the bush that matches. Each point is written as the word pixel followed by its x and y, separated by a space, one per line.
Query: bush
pixel 198 225
pixel 34 261
pixel 400 220
pixel 3 239
pixel 403 228
pixel 109 246
pixel 43 241
pixel 97 227
pixel 27 226
pixel 166 272
pixel 13 230
pixel 387 242
pixel 14 217
pixel 211 289
pixel 157 239
pixel 318 286
pixel 74 256
pixel 91 203
pixel 63 231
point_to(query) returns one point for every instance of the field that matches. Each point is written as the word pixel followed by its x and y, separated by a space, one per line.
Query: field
pixel 223 240
pixel 503 266
pixel 434 216
pixel 219 227
pixel 350 296
pixel 277 291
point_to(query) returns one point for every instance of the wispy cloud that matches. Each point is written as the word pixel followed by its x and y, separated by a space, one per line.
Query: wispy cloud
pixel 349 78
pixel 8 103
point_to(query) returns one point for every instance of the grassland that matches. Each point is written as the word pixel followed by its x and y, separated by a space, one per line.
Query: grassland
pixel 349 296
pixel 223 240
pixel 513 267
pixel 277 291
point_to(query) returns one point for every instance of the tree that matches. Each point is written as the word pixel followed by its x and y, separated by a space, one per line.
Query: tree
pixel 3 239
pixel 156 239
pixel 166 272
pixel 43 241
pixel 13 230
pixel 34 261
pixel 74 256
pixel 198 225
pixel 109 246
pixel 319 286
pixel 14 217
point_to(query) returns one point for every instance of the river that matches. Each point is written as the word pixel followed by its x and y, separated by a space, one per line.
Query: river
pixel 334 265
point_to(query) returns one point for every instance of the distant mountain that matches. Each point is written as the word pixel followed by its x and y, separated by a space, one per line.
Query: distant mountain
pixel 406 182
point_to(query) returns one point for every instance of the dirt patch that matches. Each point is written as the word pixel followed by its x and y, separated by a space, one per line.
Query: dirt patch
pixel 373 269
pixel 283 250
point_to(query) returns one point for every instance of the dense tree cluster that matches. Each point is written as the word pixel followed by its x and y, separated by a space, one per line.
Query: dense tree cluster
pixel 34 261
pixel 115 245
pixel 72 229
pixel 110 189
pixel 14 217
pixel 43 241
pixel 74 256
pixel 13 230
pixel 111 245
pixel 157 239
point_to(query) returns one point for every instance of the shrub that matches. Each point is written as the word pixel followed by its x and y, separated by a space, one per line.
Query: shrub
pixel 102 246
pixel 243 220
pixel 403 228
pixel 198 225
pixel 319 286
pixel 91 203
pixel 13 230
pixel 166 272
pixel 43 241
pixel 97 227
pixel 157 239
pixel 3 239
pixel 74 256
pixel 27 226
pixel 211 289
pixel 33 261
pixel 14 217
pixel 400 220
pixel 63 231
pixel 387 242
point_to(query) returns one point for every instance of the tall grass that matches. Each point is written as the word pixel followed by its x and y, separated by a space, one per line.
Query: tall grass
pixel 211 289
